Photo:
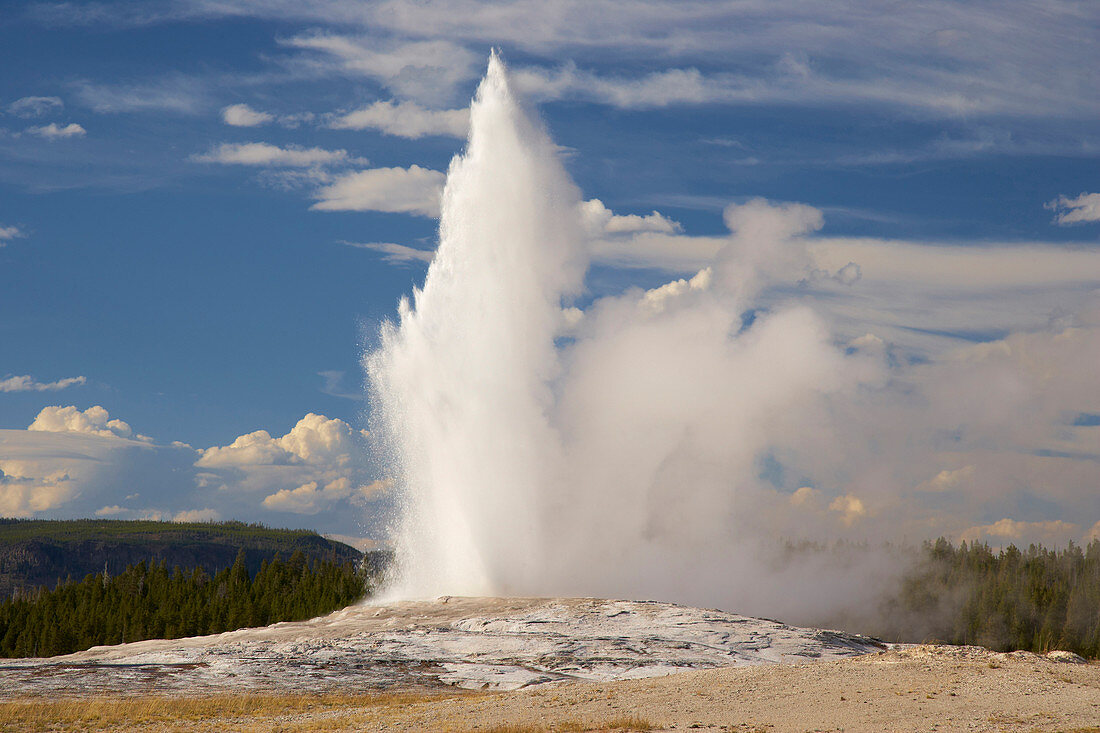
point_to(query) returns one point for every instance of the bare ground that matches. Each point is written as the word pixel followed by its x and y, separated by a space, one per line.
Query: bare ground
pixel 919 688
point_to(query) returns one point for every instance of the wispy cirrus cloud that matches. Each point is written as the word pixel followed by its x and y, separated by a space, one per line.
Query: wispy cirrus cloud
pixel 396 254
pixel 176 94
pixel 404 119
pixel 1011 58
pixel 428 71
pixel 27 383
pixel 34 106
pixel 265 154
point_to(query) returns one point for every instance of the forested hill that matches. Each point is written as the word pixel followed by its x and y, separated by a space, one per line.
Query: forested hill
pixel 38 553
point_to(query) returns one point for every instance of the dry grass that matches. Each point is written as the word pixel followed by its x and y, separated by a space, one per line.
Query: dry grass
pixel 286 713
pixel 231 712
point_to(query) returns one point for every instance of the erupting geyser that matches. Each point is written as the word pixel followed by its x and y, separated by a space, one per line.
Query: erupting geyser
pixel 463 382
pixel 611 453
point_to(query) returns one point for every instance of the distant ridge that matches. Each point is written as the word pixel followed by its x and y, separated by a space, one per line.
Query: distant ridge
pixel 37 553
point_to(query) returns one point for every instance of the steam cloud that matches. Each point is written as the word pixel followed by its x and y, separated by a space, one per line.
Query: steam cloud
pixel 620 451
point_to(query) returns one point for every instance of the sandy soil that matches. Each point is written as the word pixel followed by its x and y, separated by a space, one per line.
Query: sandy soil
pixel 921 688
pixel 918 688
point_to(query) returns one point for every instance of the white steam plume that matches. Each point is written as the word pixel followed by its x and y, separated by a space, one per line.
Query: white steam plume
pixel 622 461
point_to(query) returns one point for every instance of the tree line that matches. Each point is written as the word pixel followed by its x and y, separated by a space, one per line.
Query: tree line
pixel 146 601
pixel 1035 599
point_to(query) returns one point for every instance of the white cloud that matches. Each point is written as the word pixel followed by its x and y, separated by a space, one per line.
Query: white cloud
pixel 598 220
pixel 949 480
pixel 805 496
pixel 197 515
pixel 1080 210
pixel 314 439
pixel 334 379
pixel 405 119
pixel 850 508
pixel 397 254
pixel 318 464
pixel 308 498
pixel 177 94
pixel 8 233
pixel 312 498
pixel 1015 58
pixel 658 89
pixel 93 421
pixel 27 383
pixel 34 106
pixel 264 154
pixel 25 489
pixel 71 462
pixel 53 131
pixel 657 299
pixel 412 190
pixel 426 71
pixel 241 115
pixel 1051 533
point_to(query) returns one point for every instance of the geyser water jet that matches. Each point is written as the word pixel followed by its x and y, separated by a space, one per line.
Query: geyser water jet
pixel 462 382
pixel 621 461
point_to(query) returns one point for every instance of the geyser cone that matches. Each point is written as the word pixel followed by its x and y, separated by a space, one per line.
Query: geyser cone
pixel 461 383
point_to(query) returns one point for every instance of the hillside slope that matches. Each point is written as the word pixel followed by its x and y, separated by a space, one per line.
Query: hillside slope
pixel 39 553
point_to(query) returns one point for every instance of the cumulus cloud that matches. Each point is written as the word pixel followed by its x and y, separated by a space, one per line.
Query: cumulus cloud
pixel 197 515
pixel 69 460
pixel 657 299
pixel 7 233
pixel 598 220
pixel 53 131
pixel 264 154
pixel 1083 209
pixel 405 119
pixel 314 439
pixel 73 463
pixel 1050 533
pixel 412 190
pixel 34 106
pixel 93 421
pixel 850 508
pixel 27 383
pixel 397 254
pixel 241 115
pixel 949 480
pixel 308 498
pixel 26 490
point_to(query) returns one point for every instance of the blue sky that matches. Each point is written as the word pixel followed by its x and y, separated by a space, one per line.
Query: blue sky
pixel 206 210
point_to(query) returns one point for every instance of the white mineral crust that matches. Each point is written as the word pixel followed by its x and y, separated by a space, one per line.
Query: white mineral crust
pixel 472 643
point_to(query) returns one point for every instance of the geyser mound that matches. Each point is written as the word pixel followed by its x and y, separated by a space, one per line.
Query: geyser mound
pixel 539 450
pixel 473 643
